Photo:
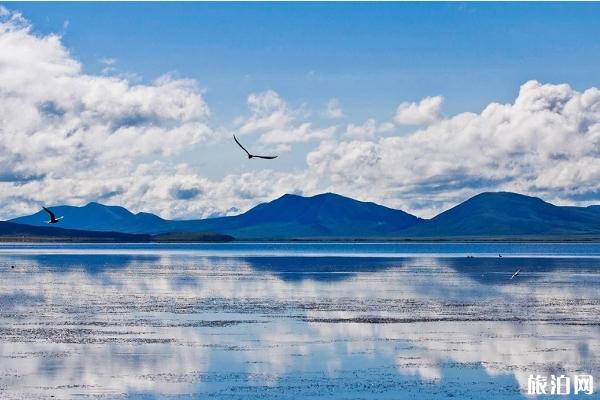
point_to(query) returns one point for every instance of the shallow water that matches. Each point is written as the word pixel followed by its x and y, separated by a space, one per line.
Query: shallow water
pixel 295 320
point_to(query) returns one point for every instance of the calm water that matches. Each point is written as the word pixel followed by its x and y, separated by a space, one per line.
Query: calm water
pixel 270 321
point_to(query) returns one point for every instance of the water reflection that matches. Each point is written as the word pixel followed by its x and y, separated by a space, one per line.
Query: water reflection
pixel 169 323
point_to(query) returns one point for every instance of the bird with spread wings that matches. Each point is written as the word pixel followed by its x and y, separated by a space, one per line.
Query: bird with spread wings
pixel 250 156
pixel 53 219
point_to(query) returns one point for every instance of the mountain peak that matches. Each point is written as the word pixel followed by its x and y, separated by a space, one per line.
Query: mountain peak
pixel 330 194
pixel 506 214
pixel 324 214
pixel 319 196
pixel 506 194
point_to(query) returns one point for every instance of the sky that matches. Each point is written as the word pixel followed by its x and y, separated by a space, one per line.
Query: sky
pixel 415 106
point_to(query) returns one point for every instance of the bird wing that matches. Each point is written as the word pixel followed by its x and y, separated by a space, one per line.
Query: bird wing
pixel 266 157
pixel 239 144
pixel 52 216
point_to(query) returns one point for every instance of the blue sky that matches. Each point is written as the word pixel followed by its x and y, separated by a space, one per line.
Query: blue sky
pixel 370 56
pixel 370 59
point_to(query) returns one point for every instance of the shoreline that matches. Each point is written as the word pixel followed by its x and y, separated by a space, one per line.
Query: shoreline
pixel 461 239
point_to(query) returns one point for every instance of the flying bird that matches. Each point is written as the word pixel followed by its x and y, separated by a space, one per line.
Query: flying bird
pixel 53 219
pixel 515 274
pixel 252 155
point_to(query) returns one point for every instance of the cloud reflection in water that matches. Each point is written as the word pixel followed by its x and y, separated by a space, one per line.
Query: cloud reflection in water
pixel 303 326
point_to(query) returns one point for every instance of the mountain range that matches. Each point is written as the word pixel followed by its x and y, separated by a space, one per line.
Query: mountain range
pixel 323 215
pixel 329 215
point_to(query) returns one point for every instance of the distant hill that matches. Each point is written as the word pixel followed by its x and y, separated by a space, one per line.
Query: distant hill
pixel 15 232
pixel 289 216
pixel 508 214
pixel 323 215
pixel 98 217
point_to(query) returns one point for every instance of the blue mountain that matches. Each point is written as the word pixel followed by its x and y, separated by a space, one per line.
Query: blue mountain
pixel 490 214
pixel 323 215
pixel 98 217
pixel 290 216
pixel 509 214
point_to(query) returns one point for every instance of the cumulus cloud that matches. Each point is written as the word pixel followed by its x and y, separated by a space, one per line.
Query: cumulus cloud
pixel 171 191
pixel 334 109
pixel 57 121
pixel 368 129
pixel 67 137
pixel 422 113
pixel 546 143
pixel 278 122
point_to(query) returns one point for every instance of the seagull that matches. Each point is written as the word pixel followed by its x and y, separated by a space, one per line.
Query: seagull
pixel 515 274
pixel 252 155
pixel 53 219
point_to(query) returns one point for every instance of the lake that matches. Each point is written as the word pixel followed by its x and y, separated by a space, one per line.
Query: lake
pixel 296 320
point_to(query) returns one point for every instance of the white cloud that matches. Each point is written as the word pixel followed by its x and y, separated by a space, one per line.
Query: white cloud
pixel 4 12
pixel 108 61
pixel 334 109
pixel 278 122
pixel 169 191
pixel 424 112
pixel 368 129
pixel 546 143
pixel 56 122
